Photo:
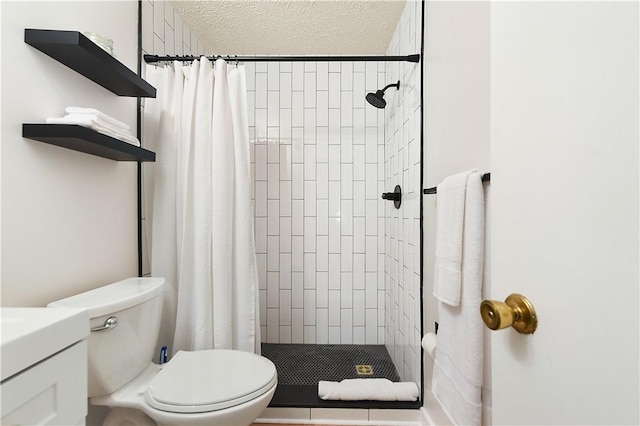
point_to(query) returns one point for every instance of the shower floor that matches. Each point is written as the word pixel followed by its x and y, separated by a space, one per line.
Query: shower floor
pixel 301 366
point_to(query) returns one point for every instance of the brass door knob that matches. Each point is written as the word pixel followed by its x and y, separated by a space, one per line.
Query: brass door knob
pixel 516 311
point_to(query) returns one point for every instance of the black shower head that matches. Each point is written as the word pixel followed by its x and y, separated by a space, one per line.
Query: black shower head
pixel 377 99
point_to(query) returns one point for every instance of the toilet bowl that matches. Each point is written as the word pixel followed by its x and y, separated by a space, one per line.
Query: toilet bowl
pixel 209 387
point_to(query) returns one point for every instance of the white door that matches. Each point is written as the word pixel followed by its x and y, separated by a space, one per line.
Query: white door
pixel 564 163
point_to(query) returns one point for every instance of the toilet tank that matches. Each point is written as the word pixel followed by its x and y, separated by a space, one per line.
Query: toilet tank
pixel 118 354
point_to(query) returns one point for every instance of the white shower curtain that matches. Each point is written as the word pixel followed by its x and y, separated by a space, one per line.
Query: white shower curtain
pixel 198 206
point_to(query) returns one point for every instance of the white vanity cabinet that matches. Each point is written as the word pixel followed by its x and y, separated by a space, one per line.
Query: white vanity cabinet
pixel 43 366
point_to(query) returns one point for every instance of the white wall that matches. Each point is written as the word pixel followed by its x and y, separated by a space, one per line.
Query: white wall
pixel 456 114
pixel 402 226
pixel 69 220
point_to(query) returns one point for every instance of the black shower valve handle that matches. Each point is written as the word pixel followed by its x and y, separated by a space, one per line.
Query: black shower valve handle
pixel 395 196
pixel 390 196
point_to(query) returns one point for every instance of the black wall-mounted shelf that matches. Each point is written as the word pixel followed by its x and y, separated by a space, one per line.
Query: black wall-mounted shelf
pixel 76 51
pixel 86 140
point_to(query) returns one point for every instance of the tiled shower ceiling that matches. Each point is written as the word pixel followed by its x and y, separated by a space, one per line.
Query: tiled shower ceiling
pixel 293 27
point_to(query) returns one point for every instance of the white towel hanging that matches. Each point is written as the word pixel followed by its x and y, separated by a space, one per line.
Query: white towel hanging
pixel 458 364
pixel 449 233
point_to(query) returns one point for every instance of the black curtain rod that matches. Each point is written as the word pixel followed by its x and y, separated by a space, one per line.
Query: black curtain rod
pixel 408 58
pixel 485 178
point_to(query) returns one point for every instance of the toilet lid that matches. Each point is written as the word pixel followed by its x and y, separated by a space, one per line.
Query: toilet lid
pixel 201 381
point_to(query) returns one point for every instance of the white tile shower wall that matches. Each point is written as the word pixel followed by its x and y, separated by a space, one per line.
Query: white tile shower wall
pixel 402 167
pixel 163 33
pixel 317 158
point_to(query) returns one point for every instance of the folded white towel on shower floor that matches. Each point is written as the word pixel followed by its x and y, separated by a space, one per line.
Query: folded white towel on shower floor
pixel 368 390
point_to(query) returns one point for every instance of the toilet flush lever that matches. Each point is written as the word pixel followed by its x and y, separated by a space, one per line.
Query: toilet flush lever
pixel 109 323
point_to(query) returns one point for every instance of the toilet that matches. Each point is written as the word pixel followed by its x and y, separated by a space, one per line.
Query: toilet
pixel 208 387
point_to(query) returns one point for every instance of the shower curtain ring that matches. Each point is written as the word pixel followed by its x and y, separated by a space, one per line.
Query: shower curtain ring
pixel 236 56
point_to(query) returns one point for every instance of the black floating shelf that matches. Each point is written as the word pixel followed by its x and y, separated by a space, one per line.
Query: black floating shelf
pixel 76 51
pixel 85 140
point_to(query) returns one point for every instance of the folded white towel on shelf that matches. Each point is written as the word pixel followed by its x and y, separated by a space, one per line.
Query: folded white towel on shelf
pixel 98 121
pixel 87 122
pixel 102 116
pixel 368 390
pixel 449 231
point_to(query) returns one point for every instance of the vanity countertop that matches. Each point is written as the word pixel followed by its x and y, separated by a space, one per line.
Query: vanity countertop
pixel 30 335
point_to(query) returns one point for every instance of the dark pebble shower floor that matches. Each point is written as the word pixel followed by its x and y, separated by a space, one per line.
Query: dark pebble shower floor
pixel 301 366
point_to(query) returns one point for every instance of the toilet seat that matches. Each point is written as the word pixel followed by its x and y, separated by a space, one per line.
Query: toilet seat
pixel 202 381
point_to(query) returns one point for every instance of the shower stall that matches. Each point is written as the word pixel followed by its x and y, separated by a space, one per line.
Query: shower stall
pixel 339 266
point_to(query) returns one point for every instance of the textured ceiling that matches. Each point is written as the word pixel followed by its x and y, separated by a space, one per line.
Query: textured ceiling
pixel 294 27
